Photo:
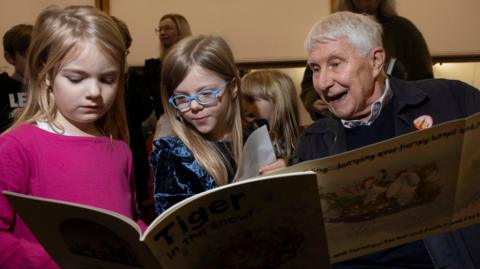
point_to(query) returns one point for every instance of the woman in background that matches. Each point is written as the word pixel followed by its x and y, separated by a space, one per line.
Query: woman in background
pixel 171 29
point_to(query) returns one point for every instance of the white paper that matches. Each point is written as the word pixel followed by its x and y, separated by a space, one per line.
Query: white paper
pixel 257 151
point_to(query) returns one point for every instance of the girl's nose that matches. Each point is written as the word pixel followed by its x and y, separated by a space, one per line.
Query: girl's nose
pixel 94 90
pixel 194 105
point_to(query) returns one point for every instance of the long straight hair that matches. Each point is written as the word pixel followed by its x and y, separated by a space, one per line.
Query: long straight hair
pixel 55 38
pixel 211 53
pixel 183 30
pixel 279 90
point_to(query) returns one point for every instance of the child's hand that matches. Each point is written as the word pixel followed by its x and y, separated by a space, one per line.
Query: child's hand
pixel 273 167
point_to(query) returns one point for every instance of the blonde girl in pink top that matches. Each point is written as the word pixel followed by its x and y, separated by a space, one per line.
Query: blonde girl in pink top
pixel 70 142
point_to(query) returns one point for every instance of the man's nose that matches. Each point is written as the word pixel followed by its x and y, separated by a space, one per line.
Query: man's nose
pixel 323 81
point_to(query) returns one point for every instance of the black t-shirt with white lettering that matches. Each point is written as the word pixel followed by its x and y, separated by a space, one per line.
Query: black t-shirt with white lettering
pixel 12 96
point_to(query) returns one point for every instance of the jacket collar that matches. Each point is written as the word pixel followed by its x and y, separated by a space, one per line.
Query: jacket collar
pixel 406 93
pixel 375 109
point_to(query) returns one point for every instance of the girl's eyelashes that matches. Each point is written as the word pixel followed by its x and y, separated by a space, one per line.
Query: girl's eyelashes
pixel 110 79
pixel 74 80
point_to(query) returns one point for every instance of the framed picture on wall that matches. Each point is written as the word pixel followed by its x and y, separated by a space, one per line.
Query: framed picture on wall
pixel 333 5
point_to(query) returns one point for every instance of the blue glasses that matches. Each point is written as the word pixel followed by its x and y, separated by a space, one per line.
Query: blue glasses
pixel 205 97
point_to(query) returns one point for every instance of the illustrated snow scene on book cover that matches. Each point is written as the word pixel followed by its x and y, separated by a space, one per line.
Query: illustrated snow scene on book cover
pixel 400 190
pixel 467 203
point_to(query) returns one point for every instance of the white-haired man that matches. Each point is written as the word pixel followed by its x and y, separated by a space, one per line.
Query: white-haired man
pixel 347 60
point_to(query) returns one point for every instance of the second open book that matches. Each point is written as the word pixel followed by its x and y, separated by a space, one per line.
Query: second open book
pixel 400 190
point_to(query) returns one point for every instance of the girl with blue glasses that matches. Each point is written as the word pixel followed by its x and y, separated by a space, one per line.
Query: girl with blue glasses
pixel 205 97
pixel 200 93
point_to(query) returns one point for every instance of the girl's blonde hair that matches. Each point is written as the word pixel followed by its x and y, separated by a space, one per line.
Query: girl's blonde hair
pixel 183 29
pixel 56 35
pixel 278 89
pixel 211 53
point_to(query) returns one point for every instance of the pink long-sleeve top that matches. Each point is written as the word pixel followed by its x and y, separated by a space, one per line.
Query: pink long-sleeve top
pixel 95 171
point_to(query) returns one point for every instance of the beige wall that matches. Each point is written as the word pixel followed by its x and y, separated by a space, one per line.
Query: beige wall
pixel 256 29
pixel 14 12
pixel 275 29
pixel 466 72
pixel 450 27
pixel 266 29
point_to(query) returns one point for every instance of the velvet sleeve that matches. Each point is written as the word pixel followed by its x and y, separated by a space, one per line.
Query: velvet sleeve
pixel 176 173
pixel 16 251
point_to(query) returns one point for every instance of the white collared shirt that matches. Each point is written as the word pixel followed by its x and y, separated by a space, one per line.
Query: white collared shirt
pixel 376 108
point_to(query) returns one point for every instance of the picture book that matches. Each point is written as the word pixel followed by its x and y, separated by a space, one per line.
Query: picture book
pixel 400 190
pixel 264 222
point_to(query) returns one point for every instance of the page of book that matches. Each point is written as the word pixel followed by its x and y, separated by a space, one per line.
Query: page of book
pixel 399 190
pixel 267 222
pixel 467 203
pixel 272 222
pixel 83 237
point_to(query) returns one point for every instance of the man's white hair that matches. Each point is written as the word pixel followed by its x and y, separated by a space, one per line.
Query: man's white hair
pixel 362 31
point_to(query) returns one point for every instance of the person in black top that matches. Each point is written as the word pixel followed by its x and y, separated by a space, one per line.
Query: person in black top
pixel 171 29
pixel 347 60
pixel 139 106
pixel 12 94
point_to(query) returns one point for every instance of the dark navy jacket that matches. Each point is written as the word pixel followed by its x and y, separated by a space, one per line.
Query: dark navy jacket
pixel 443 100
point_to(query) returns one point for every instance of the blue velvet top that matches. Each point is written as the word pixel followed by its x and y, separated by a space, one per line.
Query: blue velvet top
pixel 176 173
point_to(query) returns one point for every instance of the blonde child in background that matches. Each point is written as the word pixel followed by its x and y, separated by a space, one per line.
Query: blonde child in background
pixel 200 93
pixel 271 95
pixel 70 142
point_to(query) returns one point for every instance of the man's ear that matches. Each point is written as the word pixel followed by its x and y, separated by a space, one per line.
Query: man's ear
pixel 10 58
pixel 377 58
